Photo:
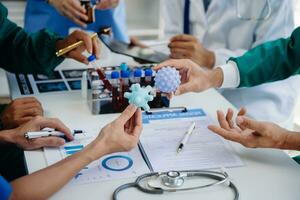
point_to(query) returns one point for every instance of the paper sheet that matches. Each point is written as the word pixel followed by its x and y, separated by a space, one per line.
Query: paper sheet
pixel 113 166
pixel 163 133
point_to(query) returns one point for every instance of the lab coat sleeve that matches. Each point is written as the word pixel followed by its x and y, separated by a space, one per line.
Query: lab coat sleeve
pixel 279 25
pixel 21 52
pixel 271 61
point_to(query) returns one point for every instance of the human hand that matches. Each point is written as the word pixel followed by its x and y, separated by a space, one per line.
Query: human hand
pixel 134 41
pixel 120 135
pixel 193 77
pixel 251 133
pixel 37 124
pixel 71 9
pixel 107 4
pixel 92 45
pixel 20 111
pixel 188 47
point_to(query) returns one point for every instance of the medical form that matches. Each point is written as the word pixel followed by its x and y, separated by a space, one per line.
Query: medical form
pixel 163 132
pixel 157 150
pixel 113 166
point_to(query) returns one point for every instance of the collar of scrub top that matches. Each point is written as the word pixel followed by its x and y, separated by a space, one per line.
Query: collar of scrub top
pixel 186 14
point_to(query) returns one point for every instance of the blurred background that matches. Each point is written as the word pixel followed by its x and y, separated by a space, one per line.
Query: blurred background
pixel 143 20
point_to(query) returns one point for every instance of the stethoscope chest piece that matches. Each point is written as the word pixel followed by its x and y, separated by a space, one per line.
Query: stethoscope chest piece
pixel 172 179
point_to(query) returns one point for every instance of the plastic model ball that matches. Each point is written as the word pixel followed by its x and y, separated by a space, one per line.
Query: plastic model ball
pixel 167 79
pixel 139 96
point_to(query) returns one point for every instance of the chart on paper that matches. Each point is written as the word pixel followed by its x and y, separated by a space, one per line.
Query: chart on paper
pixel 204 150
pixel 113 166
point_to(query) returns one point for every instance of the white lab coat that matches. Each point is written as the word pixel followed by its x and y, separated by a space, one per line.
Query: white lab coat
pixel 220 30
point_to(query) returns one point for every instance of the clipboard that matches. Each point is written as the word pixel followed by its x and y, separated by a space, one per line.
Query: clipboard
pixel 152 111
pixel 156 135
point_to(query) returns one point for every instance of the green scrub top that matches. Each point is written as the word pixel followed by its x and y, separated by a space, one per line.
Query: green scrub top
pixel 21 52
pixel 271 61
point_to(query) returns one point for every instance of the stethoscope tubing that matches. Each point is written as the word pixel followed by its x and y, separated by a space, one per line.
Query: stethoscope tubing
pixel 221 177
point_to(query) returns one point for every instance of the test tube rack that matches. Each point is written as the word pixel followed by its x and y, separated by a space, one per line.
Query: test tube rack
pixel 104 97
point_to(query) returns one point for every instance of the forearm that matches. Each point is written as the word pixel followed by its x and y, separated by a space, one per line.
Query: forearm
pixel 26 53
pixel 42 184
pixel 292 141
pixel 269 62
pixel 216 77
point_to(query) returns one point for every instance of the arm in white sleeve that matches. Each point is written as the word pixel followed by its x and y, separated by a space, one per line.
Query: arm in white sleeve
pixel 231 75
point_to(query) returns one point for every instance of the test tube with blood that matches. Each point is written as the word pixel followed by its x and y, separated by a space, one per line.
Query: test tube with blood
pixel 148 77
pixel 137 74
pixel 93 64
pixel 115 83
pixel 124 88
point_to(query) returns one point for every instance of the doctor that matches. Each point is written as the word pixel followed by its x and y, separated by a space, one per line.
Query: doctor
pixel 268 62
pixel 217 30
pixel 61 15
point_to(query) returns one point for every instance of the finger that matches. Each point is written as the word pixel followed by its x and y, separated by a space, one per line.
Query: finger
pixel 222 121
pixel 107 4
pixel 250 124
pixel 77 10
pixel 23 120
pixel 229 135
pixel 26 100
pixel 181 53
pixel 126 114
pixel 96 47
pixel 242 111
pixel 76 5
pixel 80 35
pixel 178 64
pixel 32 112
pixel 73 18
pixel 138 124
pixel 55 124
pixel 177 56
pixel 48 142
pixel 131 123
pixel 184 88
pixel 77 55
pixel 183 37
pixel 180 45
pixel 32 105
pixel 170 95
pixel 229 116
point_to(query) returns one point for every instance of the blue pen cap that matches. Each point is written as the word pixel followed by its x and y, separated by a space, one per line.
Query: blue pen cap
pixel 137 73
pixel 123 67
pixel 125 74
pixel 148 72
pixel 92 58
pixel 115 75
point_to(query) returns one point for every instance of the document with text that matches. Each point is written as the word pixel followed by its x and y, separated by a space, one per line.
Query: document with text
pixel 163 133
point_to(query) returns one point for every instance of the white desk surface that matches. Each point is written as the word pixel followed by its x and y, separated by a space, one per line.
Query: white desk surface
pixel 267 174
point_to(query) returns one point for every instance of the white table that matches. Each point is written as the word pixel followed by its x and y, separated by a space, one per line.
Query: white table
pixel 267 174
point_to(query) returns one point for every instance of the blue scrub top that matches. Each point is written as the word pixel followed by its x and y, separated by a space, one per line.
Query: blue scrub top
pixel 39 15
pixel 5 189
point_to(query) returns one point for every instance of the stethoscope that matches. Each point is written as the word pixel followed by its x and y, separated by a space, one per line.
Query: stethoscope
pixel 241 17
pixel 174 180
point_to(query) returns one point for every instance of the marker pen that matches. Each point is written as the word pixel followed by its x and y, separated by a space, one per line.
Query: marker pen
pixel 48 133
